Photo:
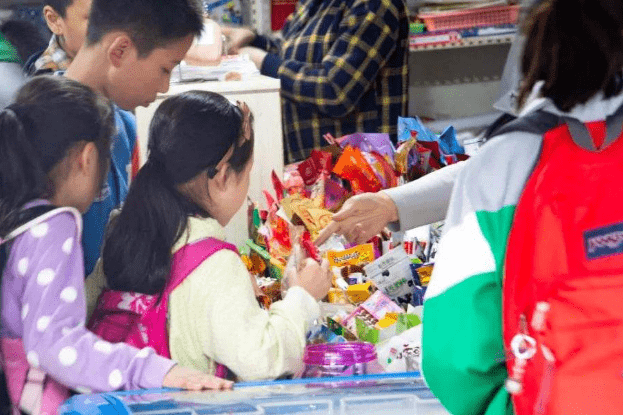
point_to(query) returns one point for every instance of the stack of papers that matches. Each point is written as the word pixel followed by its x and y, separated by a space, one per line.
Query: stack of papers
pixel 235 67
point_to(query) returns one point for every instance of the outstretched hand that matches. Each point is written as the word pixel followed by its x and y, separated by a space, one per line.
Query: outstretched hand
pixel 191 379
pixel 362 217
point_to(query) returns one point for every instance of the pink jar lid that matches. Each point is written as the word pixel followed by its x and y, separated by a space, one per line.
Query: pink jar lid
pixel 334 354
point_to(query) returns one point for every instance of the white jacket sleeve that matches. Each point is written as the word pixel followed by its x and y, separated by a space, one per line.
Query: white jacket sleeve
pixel 424 200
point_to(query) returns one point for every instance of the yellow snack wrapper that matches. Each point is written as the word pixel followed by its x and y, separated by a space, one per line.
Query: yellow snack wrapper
pixel 360 254
pixel 337 296
pixel 358 293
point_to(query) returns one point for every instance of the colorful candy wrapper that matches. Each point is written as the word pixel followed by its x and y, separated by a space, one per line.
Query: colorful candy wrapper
pixel 402 155
pixel 353 167
pixel 318 191
pixel 360 254
pixel 334 195
pixel 369 143
pixel 318 162
pixel 446 142
pixel 293 183
pixel 391 273
pixel 278 185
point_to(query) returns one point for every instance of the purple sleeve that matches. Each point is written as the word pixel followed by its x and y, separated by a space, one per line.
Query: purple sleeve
pixel 54 312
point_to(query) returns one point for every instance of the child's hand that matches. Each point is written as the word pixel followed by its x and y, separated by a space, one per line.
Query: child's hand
pixel 315 278
pixel 191 379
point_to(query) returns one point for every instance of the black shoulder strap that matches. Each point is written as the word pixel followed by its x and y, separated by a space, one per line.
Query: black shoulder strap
pixel 537 122
pixel 23 218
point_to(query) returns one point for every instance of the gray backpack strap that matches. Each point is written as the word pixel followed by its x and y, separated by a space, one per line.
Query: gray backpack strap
pixel 538 122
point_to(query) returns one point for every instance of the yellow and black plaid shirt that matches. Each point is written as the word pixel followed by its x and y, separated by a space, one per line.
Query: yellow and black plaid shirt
pixel 343 66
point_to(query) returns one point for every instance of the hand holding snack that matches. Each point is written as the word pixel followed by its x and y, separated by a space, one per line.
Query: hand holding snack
pixel 361 217
pixel 191 379
pixel 315 278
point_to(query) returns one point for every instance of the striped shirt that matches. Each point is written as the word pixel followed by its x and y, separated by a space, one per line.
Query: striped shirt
pixel 343 66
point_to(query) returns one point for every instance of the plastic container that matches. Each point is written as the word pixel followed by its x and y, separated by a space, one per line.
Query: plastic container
pixel 465 19
pixel 339 359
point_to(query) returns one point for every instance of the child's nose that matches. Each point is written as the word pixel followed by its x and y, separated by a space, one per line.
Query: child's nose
pixel 164 86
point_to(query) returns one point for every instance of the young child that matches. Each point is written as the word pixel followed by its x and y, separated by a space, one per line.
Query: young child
pixel 129 52
pixel 167 243
pixel 67 20
pixel 54 153
pixel 523 313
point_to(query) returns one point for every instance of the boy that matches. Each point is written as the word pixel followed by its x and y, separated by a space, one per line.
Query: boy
pixel 130 49
pixel 67 19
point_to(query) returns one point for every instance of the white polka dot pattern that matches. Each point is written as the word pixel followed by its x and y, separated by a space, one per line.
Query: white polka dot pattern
pixel 40 230
pixel 22 267
pixel 84 390
pixel 46 276
pixel 103 347
pixel 143 353
pixel 25 310
pixel 115 379
pixel 66 330
pixel 43 323
pixel 68 356
pixel 33 359
pixel 69 294
pixel 68 246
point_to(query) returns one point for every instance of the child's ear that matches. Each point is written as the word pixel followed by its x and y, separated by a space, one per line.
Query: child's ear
pixel 53 20
pixel 221 178
pixel 120 49
pixel 88 159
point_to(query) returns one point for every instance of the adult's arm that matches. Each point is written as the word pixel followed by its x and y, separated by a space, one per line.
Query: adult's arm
pixel 424 200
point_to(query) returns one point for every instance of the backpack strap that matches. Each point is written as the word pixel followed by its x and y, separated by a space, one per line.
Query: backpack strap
pixel 538 122
pixel 185 261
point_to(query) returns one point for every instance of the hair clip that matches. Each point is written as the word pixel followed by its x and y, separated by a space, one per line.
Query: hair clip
pixel 247 122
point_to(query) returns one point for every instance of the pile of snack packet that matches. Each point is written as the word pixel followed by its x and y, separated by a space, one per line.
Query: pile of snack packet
pixel 378 287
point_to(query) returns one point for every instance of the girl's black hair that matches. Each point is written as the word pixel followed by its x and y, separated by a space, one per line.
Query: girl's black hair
pixel 576 47
pixel 189 135
pixel 51 115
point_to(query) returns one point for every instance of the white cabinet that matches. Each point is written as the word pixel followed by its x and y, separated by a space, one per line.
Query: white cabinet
pixel 262 95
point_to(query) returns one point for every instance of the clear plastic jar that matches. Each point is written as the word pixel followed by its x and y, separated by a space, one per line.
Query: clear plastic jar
pixel 339 359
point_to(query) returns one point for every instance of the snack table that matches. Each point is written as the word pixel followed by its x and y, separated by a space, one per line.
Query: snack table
pixel 383 394
pixel 261 93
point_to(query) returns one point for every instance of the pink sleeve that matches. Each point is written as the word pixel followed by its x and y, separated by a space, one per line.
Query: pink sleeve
pixel 54 313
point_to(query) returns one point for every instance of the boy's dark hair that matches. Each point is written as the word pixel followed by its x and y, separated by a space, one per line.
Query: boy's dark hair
pixel 149 23
pixel 576 47
pixel 51 116
pixel 59 5
pixel 24 36
pixel 189 135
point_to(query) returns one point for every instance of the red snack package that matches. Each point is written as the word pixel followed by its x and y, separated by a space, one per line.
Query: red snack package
pixel 308 246
pixel 279 189
pixel 323 160
pixel 308 171
pixel 353 166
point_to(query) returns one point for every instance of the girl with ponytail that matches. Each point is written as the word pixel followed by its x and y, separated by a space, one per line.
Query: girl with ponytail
pixel 175 284
pixel 54 157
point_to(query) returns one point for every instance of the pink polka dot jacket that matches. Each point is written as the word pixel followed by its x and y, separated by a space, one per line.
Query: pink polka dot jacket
pixel 43 304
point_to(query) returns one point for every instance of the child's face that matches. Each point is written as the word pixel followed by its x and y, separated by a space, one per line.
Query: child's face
pixel 136 81
pixel 73 27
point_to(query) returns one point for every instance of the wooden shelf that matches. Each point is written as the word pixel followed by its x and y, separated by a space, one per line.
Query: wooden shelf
pixel 467 42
